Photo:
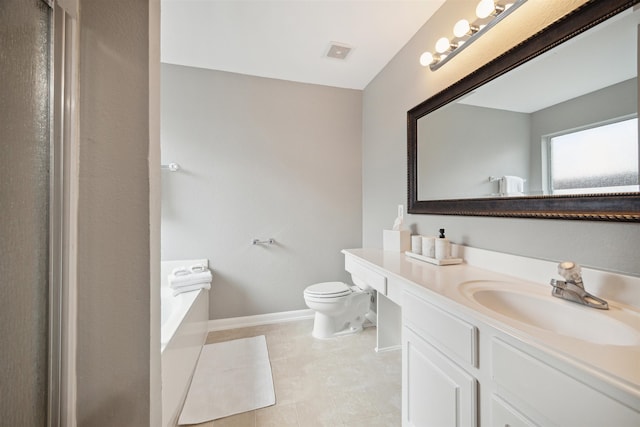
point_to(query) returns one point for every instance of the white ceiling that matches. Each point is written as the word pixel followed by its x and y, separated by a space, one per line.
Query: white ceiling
pixel 288 39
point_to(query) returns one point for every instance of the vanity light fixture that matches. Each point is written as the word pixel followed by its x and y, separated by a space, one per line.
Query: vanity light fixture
pixel 463 28
pixel 487 7
pixel 488 13
pixel 443 45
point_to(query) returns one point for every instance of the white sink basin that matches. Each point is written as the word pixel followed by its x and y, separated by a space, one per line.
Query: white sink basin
pixel 529 305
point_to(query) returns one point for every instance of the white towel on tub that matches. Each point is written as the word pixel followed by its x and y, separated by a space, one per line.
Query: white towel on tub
pixel 182 279
pixel 190 288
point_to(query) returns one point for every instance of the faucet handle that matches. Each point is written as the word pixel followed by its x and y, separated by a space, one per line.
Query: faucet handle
pixel 570 271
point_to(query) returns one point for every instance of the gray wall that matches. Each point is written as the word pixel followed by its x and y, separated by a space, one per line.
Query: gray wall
pixel 113 337
pixel 460 146
pixel 402 85
pixel 261 158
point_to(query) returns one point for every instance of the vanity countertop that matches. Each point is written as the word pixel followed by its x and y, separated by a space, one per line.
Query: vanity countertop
pixel 618 365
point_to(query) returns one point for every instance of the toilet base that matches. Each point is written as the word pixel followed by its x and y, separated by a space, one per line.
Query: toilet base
pixel 324 327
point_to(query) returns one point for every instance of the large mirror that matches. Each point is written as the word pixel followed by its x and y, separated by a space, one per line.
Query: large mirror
pixel 548 130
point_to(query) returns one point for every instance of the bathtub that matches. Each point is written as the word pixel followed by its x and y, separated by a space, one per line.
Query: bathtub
pixel 182 335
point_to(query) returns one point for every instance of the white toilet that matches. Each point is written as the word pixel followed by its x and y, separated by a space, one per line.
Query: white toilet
pixel 340 309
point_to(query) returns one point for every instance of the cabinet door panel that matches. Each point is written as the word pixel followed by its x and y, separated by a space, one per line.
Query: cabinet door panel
pixel 562 399
pixel 503 415
pixel 438 392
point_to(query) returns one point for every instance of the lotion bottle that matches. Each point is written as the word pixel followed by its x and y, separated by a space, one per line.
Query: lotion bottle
pixel 443 246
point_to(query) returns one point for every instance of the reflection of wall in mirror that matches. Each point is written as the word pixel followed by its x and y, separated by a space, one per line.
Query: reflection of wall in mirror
pixel 613 102
pixel 460 146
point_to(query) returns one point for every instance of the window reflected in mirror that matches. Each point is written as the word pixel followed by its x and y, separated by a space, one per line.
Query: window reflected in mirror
pixel 599 159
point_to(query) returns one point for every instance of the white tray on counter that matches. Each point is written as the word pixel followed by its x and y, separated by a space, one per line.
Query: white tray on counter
pixel 448 261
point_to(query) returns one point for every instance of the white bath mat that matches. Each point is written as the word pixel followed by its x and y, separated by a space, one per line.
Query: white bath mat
pixel 231 377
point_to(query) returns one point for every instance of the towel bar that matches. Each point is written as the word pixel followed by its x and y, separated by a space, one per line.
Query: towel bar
pixel 498 178
pixel 172 167
pixel 270 241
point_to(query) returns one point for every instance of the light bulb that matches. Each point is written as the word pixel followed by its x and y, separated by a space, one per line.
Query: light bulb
pixel 426 59
pixel 442 45
pixel 461 28
pixel 485 8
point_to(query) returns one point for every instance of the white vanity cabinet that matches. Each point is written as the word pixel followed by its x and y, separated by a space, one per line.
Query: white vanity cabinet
pixel 462 367
pixel 438 348
pixel 458 371
pixel 387 304
pixel 436 391
pixel 541 393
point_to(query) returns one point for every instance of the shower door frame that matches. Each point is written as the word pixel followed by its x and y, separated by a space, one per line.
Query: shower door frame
pixel 61 410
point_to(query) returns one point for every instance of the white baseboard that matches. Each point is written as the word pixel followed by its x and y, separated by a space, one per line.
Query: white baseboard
pixel 385 349
pixel 260 319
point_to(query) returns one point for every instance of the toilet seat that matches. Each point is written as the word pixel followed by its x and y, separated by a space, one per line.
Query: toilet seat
pixel 328 290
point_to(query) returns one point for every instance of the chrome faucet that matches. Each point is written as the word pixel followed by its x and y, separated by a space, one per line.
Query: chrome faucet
pixel 572 288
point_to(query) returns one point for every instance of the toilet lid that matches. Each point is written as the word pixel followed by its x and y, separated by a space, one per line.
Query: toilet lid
pixel 328 289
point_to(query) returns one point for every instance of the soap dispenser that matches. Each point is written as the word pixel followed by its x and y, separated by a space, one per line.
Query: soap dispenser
pixel 443 246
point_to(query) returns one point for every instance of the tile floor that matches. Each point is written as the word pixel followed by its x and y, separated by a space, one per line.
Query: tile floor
pixel 341 382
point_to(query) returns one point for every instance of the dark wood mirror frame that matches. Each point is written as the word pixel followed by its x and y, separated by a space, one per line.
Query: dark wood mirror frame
pixel 609 207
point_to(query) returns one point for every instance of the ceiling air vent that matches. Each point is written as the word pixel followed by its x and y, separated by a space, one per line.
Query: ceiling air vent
pixel 338 51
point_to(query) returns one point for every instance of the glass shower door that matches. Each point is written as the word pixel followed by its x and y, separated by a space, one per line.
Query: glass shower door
pixel 25 151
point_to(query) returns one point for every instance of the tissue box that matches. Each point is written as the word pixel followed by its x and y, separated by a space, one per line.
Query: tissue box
pixel 396 240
